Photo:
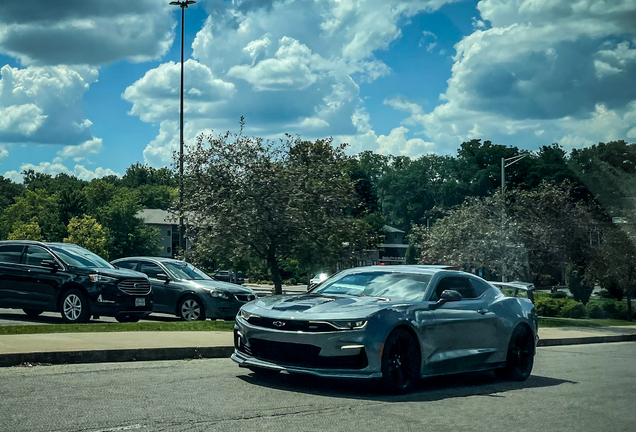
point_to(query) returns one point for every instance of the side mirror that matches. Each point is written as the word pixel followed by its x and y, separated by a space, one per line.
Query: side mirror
pixel 447 296
pixel 49 263
pixel 163 277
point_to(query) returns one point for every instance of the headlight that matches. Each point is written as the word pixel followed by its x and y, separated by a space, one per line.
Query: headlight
pixel 102 278
pixel 348 325
pixel 246 315
pixel 218 294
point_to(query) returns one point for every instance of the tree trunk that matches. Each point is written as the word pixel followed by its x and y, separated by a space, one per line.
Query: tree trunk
pixel 629 303
pixel 273 265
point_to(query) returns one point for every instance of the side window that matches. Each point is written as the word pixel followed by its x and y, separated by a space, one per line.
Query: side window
pixel 479 287
pixel 150 269
pixel 35 255
pixel 127 264
pixel 460 284
pixel 11 253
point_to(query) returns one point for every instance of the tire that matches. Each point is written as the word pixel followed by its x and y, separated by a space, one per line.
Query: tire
pixel 128 318
pixel 520 358
pixel 33 313
pixel 401 361
pixel 191 309
pixel 74 307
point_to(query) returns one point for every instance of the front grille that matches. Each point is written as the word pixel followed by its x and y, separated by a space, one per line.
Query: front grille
pixel 136 287
pixel 291 325
pixel 302 355
pixel 245 297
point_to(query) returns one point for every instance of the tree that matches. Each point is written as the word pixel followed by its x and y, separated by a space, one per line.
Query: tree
pixel 89 234
pixel 272 200
pixel 553 225
pixel 614 262
pixel 575 280
pixel 9 191
pixel 128 234
pixel 473 236
pixel 26 231
pixel 35 205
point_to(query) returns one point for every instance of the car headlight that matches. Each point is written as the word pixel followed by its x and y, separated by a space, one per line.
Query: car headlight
pixel 246 315
pixel 101 278
pixel 218 294
pixel 348 325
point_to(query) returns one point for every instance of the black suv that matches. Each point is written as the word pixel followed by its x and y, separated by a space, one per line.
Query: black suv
pixel 66 278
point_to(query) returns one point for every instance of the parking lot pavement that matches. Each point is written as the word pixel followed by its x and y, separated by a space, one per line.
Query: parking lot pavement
pixel 576 388
pixel 17 317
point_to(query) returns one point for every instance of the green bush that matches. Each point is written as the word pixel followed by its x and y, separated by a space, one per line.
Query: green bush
pixel 595 310
pixel 610 309
pixel 558 295
pixel 573 309
pixel 547 307
pixel 621 311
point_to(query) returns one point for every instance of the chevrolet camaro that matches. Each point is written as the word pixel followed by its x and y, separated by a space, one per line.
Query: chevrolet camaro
pixel 396 324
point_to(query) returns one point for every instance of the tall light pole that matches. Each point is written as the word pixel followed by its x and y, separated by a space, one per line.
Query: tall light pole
pixel 183 4
pixel 505 163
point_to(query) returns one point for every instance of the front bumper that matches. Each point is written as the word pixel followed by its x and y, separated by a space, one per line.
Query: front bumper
pixel 341 354
pixel 219 308
pixel 108 300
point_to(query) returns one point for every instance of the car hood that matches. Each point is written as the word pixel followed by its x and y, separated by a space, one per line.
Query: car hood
pixel 318 306
pixel 218 285
pixel 117 273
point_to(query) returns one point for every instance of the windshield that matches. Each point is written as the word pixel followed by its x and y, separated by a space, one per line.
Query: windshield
pixel 185 271
pixel 404 286
pixel 76 256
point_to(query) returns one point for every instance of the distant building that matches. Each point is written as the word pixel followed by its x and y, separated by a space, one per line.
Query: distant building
pixel 168 225
pixel 393 250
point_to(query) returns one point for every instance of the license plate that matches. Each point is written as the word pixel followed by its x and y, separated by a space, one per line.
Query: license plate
pixel 140 302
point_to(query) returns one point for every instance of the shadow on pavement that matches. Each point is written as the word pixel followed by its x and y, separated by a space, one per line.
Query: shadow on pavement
pixel 429 389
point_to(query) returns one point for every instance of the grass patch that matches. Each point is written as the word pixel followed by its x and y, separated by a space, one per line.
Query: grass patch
pixel 119 327
pixel 570 322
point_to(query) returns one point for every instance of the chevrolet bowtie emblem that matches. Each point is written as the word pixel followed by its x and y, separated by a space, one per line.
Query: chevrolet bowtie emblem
pixel 279 323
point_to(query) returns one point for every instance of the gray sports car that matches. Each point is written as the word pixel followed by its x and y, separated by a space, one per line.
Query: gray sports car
pixel 395 323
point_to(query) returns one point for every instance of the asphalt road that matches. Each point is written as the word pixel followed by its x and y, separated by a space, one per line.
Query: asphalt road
pixel 576 388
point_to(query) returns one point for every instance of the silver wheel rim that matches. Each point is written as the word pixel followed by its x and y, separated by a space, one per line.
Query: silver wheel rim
pixel 72 307
pixel 190 310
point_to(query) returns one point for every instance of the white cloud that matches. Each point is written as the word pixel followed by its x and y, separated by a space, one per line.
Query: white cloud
pixel 87 148
pixel 295 66
pixel 45 32
pixel 54 168
pixel 558 70
pixel 155 96
pixel 43 104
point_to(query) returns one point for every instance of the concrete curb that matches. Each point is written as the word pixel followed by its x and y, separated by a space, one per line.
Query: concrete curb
pixel 107 356
pixel 153 354
pixel 586 340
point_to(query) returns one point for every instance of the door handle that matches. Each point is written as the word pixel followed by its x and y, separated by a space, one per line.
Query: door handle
pixel 483 311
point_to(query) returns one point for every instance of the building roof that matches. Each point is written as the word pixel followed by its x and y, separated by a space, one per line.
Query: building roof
pixel 158 217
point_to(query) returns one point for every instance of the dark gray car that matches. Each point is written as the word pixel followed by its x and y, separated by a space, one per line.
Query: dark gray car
pixel 182 289
pixel 397 323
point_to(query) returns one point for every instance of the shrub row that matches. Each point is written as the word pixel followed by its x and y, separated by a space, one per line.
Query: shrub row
pixel 569 308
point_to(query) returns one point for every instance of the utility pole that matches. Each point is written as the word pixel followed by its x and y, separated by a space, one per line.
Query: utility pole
pixel 183 4
pixel 505 163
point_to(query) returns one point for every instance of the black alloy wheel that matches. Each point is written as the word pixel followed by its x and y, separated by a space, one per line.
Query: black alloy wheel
pixel 74 307
pixel 33 313
pixel 520 358
pixel 401 360
pixel 191 309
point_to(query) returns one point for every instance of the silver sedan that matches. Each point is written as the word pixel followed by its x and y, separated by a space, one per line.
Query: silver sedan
pixel 396 324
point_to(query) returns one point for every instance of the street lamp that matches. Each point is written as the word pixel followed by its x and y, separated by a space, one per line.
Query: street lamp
pixel 183 4
pixel 505 163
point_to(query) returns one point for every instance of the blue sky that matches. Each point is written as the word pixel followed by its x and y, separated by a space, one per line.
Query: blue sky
pixel 92 88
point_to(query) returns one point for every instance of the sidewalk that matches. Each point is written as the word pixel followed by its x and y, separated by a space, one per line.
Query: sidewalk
pixel 59 348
